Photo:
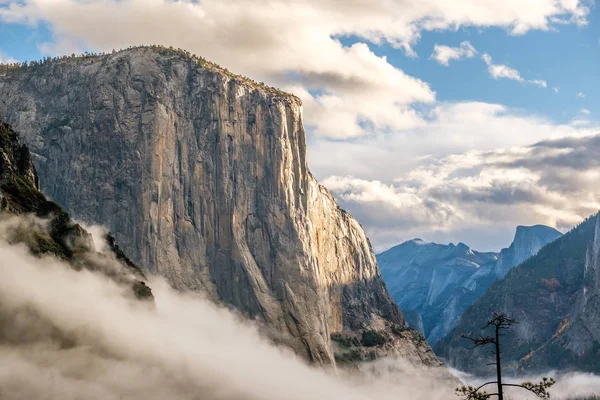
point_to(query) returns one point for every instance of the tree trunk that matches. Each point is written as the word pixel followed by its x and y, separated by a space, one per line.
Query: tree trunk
pixel 498 366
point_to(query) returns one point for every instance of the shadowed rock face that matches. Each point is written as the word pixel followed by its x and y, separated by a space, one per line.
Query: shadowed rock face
pixel 202 178
pixel 45 228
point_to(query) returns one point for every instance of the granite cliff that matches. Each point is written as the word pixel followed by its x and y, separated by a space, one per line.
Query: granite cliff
pixel 202 177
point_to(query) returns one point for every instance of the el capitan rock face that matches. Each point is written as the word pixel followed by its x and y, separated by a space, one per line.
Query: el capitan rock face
pixel 202 177
pixel 436 283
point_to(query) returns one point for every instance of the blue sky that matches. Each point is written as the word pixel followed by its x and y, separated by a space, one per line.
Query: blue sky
pixel 567 59
pixel 411 147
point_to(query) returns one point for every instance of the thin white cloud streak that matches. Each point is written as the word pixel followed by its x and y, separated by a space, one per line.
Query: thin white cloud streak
pixel 555 90
pixel 184 348
pixel 498 71
pixel 539 82
pixel 444 54
pixel 359 90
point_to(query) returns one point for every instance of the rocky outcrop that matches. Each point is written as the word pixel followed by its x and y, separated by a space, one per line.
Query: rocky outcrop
pixel 555 298
pixel 527 242
pixel 439 282
pixel 203 179
pixel 45 228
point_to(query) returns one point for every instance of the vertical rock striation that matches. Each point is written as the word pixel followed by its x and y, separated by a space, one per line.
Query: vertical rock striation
pixel 202 177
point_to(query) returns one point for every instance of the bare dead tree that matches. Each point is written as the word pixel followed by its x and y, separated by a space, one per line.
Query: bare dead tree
pixel 500 322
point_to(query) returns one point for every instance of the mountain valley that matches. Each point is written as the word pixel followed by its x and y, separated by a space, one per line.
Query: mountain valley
pixel 435 284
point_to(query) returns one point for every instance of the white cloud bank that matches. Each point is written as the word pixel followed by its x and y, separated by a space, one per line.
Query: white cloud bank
pixel 551 182
pixel 498 71
pixel 449 182
pixel 443 54
pixel 297 41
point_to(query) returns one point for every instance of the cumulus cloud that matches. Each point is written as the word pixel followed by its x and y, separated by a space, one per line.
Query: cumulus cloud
pixel 580 95
pixel 451 128
pixel 443 54
pixel 292 41
pixel 498 71
pixel 552 182
pixel 448 181
pixel 67 335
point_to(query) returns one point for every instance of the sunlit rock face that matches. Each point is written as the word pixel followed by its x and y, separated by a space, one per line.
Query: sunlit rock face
pixel 437 283
pixel 202 178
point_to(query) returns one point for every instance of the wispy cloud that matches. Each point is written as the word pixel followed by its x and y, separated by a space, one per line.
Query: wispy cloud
pixel 555 89
pixel 580 95
pixel 443 54
pixel 6 59
pixel 498 71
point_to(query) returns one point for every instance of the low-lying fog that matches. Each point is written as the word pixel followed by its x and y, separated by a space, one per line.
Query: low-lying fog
pixel 185 348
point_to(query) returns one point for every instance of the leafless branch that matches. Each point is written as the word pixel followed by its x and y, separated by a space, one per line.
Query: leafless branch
pixel 479 341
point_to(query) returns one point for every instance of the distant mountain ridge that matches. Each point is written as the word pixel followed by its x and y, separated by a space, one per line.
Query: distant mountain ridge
pixel 434 283
pixel 555 298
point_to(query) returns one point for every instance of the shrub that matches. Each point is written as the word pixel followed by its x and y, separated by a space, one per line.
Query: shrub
pixel 372 339
pixel 344 340
pixel 396 330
